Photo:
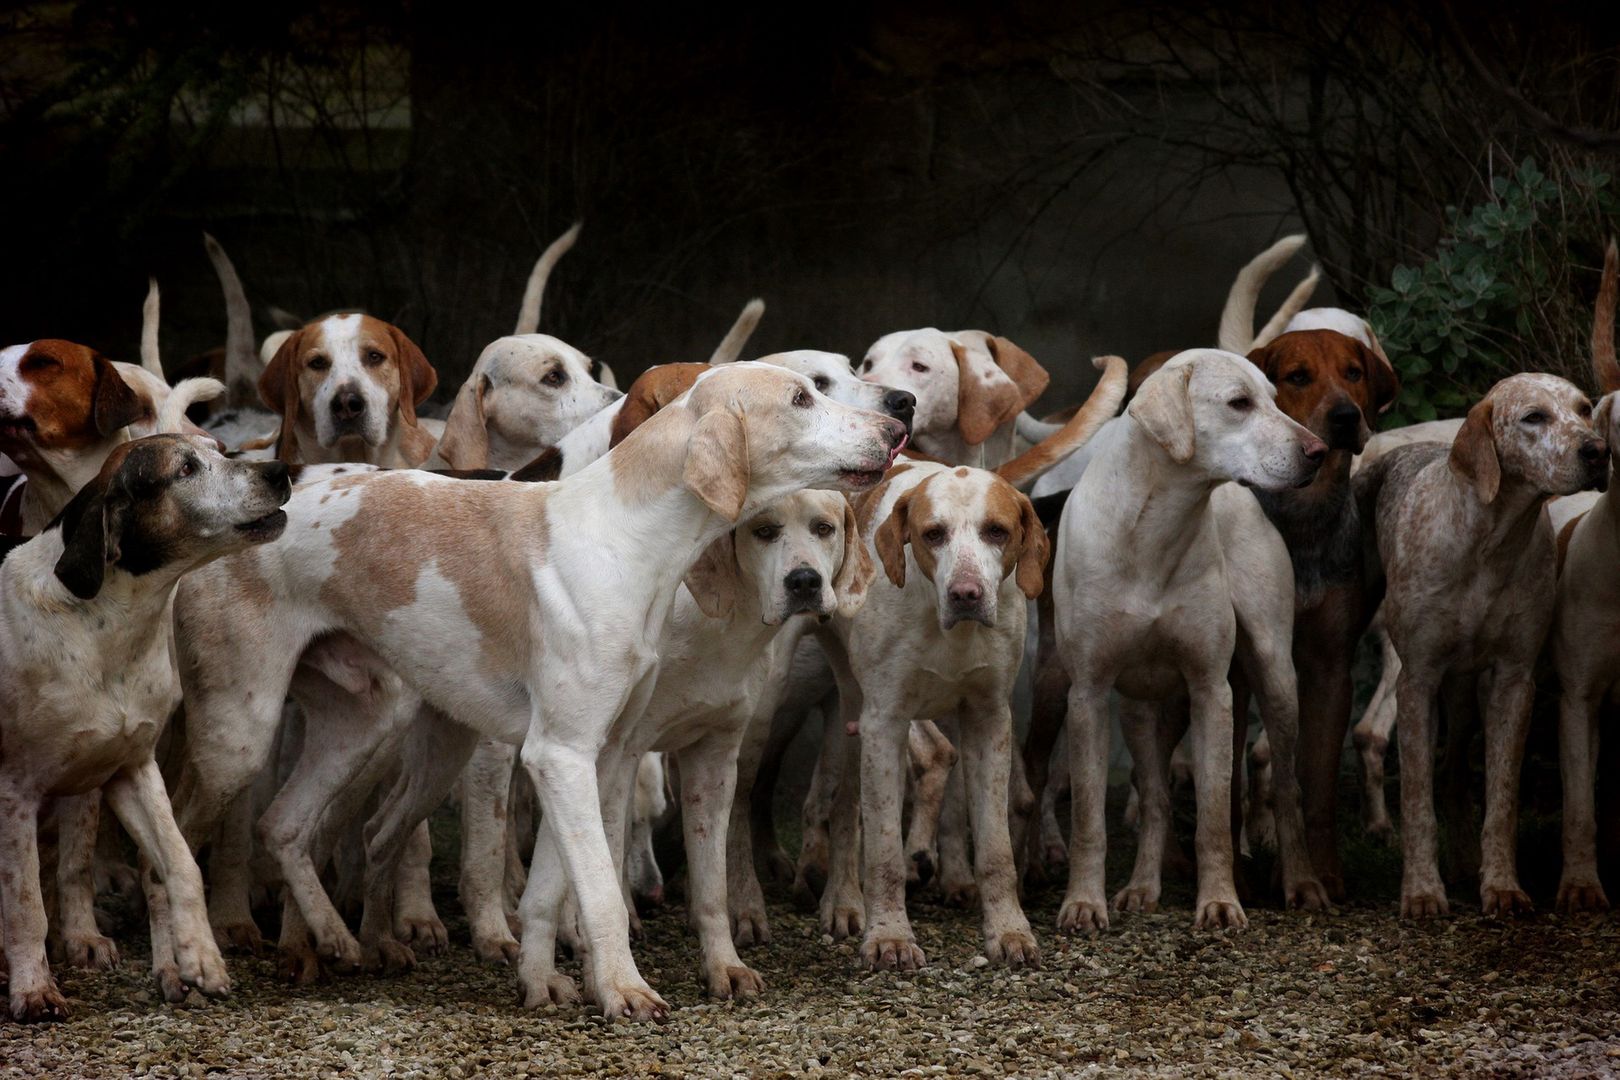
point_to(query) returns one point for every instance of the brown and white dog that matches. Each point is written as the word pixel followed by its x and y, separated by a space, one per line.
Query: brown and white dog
pixel 97 586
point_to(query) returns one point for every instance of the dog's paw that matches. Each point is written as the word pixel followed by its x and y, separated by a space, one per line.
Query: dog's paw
pixel 343 955
pixel 298 964
pixel 496 949
pixel 1013 949
pixel 1088 916
pixel 1578 896
pixel 633 1002
pixel 91 951
pixel 750 928
pixel 1308 894
pixel 734 981
pixel 889 951
pixel 553 989
pixel 239 937
pixel 200 965
pixel 1220 913
pixel 842 917
pixel 1424 902
pixel 422 932
pixel 38 1005
pixel 1137 899
pixel 1505 900
pixel 387 957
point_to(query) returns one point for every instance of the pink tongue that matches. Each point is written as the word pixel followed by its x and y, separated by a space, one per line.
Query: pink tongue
pixel 904 439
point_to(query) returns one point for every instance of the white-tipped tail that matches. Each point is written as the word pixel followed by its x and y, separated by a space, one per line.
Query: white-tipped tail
pixel 731 346
pixel 151 358
pixel 242 367
pixel 1101 407
pixel 1237 319
pixel 171 417
pixel 528 321
pixel 1290 307
pixel 1604 367
pixel 1033 431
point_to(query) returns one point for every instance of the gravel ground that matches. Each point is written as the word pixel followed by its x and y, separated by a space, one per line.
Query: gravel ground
pixel 1354 992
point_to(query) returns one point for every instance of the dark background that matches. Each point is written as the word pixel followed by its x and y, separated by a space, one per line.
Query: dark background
pixel 1082 178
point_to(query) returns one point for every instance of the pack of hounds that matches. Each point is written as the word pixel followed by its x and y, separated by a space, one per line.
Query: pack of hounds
pixel 285 635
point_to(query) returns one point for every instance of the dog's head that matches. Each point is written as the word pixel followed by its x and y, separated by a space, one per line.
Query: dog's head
pixel 1332 383
pixel 967 383
pixel 1537 429
pixel 345 378
pixel 832 375
pixel 802 555
pixel 1215 411
pixel 59 396
pixel 968 529
pixel 524 394
pixel 167 502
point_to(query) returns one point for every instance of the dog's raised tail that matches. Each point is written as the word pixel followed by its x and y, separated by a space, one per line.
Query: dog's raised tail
pixel 1604 367
pixel 731 346
pixel 151 358
pixel 1237 318
pixel 242 367
pixel 1101 407
pixel 1292 306
pixel 187 392
pixel 528 321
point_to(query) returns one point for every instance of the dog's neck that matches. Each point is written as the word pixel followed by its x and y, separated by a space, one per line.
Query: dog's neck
pixel 1320 524
pixel 406 447
pixel 1499 527
pixel 125 616
pixel 55 476
pixel 1161 507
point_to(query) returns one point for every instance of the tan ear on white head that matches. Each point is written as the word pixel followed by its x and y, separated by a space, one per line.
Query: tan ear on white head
pixel 986 397
pixel 465 442
pixel 891 538
pixel 1473 452
pixel 1602 417
pixel 1023 369
pixel 856 571
pixel 715 578
pixel 417 379
pixel 278 389
pixel 1036 549
pixel 1163 407
pixel 716 469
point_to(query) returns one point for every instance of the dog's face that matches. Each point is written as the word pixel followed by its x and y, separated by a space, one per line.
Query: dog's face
pixel 1534 427
pixel 968 529
pixel 59 396
pixel 345 379
pixel 831 374
pixel 524 394
pixel 967 383
pixel 1331 383
pixel 802 555
pixel 1216 410
pixel 758 426
pixel 167 501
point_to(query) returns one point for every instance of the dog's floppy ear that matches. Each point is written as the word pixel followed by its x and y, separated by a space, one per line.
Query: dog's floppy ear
pixel 986 397
pixel 652 390
pixel 716 469
pixel 91 524
pixel 856 571
pixel 1602 417
pixel 1163 406
pixel 465 442
pixel 713 580
pixel 278 389
pixel 113 404
pixel 1267 360
pixel 1383 383
pixel 417 379
pixel 1023 369
pixel 891 539
pixel 1035 549
pixel 1473 454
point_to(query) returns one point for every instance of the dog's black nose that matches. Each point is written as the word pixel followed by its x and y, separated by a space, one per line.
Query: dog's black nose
pixel 965 594
pixel 900 404
pixel 803 584
pixel 277 473
pixel 1592 450
pixel 348 404
pixel 1344 414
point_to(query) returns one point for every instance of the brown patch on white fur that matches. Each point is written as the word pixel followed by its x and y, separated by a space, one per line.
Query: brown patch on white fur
pixel 75 399
pixel 653 389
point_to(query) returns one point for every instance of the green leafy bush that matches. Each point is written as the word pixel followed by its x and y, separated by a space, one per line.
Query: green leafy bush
pixel 1508 289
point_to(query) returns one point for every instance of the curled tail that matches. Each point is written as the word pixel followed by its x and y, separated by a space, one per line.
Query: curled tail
pixel 731 346
pixel 1604 368
pixel 1237 318
pixel 1290 307
pixel 172 416
pixel 242 367
pixel 528 321
pixel 1101 407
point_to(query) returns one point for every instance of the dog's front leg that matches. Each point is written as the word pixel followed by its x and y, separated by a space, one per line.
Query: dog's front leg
pixel 1149 739
pixel 890 944
pixel 987 748
pixel 1507 723
pixel 1422 892
pixel 708 782
pixel 137 795
pixel 83 944
pixel 842 905
pixel 485 787
pixel 22 910
pixel 744 897
pixel 1085 907
pixel 1271 674
pixel 1211 699
pixel 1578 887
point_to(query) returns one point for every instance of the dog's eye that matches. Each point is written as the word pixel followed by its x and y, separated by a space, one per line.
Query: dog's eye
pixel 822 382
pixel 1353 375
pixel 934 535
pixel 919 367
pixel 802 399
pixel 319 363
pixel 824 529
pixel 39 362
pixel 867 366
pixel 1241 404
pixel 767 533
pixel 996 534
pixel 187 467
pixel 1300 377
pixel 1584 408
pixel 555 377
pixel 373 358
pixel 1534 418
